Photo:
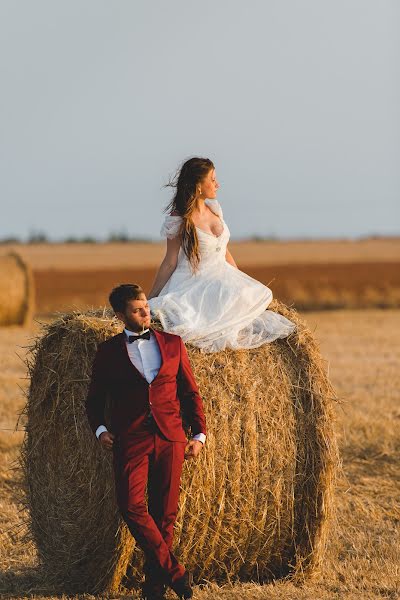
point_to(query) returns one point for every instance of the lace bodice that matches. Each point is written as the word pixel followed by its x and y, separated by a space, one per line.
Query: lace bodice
pixel 172 223
pixel 212 248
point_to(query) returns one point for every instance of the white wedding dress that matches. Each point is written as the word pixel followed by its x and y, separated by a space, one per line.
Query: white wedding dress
pixel 219 306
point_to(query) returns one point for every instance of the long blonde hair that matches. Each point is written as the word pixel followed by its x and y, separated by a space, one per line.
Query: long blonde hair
pixel 185 202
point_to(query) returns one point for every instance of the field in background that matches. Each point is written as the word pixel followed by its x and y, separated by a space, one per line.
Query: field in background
pixel 307 287
pixel 363 561
pixel 311 275
pixel 252 254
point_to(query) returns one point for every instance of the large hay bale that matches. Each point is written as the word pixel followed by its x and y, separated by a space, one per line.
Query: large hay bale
pixel 255 505
pixel 16 291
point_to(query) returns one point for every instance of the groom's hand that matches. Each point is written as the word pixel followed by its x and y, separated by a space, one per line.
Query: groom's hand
pixel 192 449
pixel 106 439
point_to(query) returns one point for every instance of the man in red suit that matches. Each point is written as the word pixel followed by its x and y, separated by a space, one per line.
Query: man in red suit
pixel 142 380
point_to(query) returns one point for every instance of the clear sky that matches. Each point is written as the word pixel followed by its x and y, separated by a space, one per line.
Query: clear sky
pixel 296 102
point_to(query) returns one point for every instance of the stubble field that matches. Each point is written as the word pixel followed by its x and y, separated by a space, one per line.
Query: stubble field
pixel 312 275
pixel 363 559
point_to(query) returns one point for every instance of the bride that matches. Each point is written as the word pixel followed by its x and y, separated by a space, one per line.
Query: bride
pixel 198 292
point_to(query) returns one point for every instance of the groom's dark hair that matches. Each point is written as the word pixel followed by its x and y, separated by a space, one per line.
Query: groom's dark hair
pixel 122 294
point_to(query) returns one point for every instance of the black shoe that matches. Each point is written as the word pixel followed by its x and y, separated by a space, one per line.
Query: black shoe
pixel 183 586
pixel 153 590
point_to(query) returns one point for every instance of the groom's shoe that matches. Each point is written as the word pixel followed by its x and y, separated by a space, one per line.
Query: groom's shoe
pixel 154 585
pixel 183 586
pixel 153 590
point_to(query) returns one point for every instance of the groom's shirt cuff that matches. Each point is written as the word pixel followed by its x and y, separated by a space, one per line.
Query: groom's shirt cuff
pixel 100 430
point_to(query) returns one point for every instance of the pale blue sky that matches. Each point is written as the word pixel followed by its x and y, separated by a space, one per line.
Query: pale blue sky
pixel 296 102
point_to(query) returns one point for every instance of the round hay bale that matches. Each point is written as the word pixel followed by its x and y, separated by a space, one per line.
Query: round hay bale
pixel 255 505
pixel 16 291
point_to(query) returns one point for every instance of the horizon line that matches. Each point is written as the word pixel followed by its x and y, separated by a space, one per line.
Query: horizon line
pixel 36 239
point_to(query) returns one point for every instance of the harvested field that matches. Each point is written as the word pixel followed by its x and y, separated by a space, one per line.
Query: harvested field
pixel 306 286
pixel 363 558
pixel 311 275
pixel 135 255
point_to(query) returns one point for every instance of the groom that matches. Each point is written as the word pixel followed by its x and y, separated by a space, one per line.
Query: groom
pixel 146 376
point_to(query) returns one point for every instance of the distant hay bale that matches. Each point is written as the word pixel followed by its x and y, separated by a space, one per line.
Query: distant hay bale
pixel 257 503
pixel 16 291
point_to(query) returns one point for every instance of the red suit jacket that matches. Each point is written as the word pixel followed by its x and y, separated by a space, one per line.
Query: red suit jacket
pixel 173 393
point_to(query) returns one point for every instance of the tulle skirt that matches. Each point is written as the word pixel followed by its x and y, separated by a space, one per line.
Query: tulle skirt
pixel 218 307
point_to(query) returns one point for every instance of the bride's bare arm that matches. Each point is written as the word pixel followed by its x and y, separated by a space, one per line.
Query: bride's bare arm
pixel 167 266
pixel 229 259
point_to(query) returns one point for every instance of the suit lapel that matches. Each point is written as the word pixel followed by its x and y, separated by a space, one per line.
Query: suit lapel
pixel 160 341
pixel 125 356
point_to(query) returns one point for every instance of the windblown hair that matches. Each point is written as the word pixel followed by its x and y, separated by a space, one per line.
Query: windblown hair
pixel 122 294
pixel 185 202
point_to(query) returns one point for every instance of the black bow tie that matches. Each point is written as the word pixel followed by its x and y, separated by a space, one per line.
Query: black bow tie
pixel 142 336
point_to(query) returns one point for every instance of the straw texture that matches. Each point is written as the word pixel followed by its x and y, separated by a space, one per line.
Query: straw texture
pixel 256 504
pixel 16 291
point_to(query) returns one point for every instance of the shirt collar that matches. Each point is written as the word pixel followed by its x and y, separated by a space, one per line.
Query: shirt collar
pixel 128 332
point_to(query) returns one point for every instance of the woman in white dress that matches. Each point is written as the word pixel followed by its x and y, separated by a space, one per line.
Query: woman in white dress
pixel 199 293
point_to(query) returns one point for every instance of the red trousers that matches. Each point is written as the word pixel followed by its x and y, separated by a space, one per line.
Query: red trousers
pixel 150 460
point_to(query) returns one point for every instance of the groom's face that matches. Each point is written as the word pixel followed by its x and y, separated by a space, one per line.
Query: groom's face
pixel 137 314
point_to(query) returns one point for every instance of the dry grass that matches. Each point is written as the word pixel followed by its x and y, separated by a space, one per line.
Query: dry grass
pixel 16 290
pixel 363 559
